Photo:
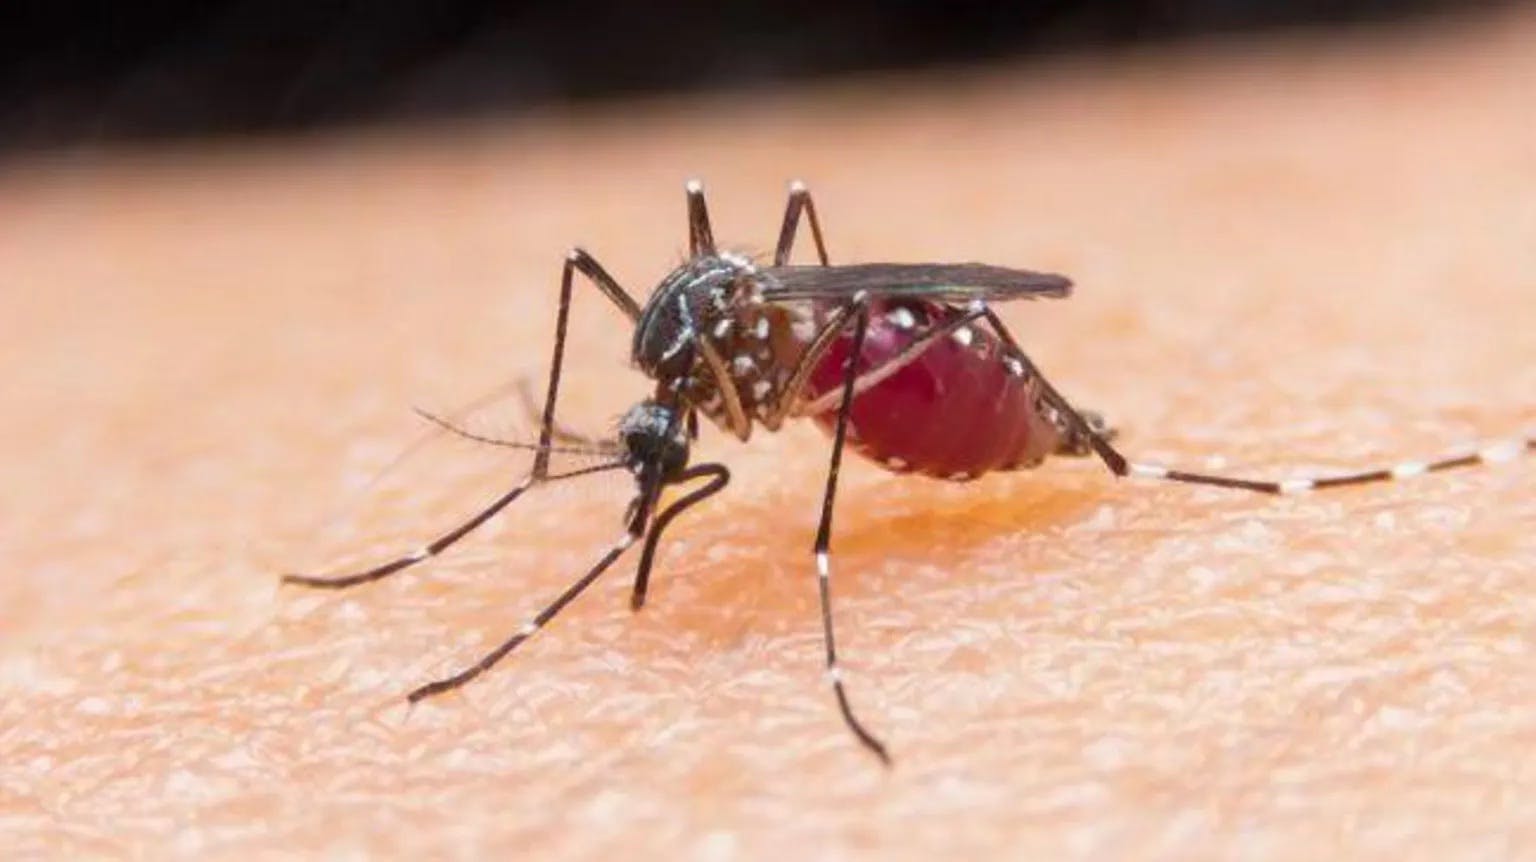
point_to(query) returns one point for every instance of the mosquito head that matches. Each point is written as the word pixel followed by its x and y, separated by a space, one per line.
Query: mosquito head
pixel 655 437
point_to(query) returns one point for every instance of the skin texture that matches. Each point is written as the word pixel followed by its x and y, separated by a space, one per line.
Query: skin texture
pixel 1304 255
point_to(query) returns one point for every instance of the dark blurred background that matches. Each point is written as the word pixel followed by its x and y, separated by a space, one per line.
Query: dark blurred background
pixel 73 73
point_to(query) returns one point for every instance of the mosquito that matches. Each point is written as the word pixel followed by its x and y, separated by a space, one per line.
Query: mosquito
pixel 906 364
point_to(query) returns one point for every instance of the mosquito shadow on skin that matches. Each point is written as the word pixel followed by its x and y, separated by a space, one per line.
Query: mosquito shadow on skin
pixel 917 522
pixel 763 584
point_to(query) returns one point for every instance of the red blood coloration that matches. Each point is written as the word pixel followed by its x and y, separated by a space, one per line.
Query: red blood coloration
pixel 962 408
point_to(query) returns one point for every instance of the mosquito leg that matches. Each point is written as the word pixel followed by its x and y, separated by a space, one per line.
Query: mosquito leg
pixel 438 545
pixel 1121 466
pixel 799 201
pixel 651 481
pixel 577 261
pixel 587 265
pixel 858 311
pixel 719 477
pixel 701 239
pixel 532 626
pixel 824 537
pixel 639 517
pixel 426 552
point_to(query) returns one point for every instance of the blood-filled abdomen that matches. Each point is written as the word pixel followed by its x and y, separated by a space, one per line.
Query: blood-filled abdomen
pixel 961 408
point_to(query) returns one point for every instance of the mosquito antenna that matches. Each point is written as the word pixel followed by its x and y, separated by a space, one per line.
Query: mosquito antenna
pixel 510 444
pixel 421 440
pixel 534 409
pixel 443 542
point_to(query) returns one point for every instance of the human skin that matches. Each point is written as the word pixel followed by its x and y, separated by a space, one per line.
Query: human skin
pixel 1309 257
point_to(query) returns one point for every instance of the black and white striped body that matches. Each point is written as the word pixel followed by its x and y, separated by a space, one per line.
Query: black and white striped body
pixel 708 331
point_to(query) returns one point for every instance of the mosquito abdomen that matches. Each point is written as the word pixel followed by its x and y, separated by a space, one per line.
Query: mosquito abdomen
pixel 961 408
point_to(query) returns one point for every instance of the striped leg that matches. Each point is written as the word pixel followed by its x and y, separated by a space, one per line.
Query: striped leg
pixel 1121 466
pixel 532 626
pixel 824 539
pixel 441 543
pixel 1495 453
pixel 650 481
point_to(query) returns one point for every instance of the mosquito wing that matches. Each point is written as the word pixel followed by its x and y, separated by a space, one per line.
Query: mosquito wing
pixel 940 282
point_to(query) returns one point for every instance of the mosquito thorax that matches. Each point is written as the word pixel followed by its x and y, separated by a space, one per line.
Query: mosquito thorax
pixel 690 301
pixel 708 333
pixel 655 434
